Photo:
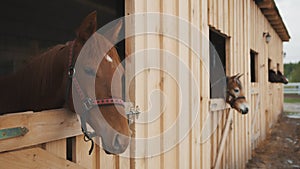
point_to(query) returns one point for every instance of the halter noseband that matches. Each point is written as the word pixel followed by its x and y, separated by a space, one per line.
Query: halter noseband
pixel 87 103
pixel 234 99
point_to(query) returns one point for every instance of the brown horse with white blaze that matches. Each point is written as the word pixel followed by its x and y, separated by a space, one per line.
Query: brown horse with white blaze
pixel 46 82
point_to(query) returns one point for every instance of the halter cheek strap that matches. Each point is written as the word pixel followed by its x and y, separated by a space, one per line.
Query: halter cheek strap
pixel 87 103
pixel 234 99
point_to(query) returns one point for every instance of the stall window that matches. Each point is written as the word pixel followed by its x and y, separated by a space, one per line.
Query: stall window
pixel 217 63
pixel 254 66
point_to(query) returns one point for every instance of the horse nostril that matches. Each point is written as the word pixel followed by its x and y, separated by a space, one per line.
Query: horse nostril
pixel 245 111
pixel 116 141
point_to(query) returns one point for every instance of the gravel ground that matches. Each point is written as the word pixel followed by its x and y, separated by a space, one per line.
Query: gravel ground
pixel 281 149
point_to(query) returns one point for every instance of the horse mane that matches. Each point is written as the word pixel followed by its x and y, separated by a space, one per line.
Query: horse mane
pixel 39 81
pixel 42 67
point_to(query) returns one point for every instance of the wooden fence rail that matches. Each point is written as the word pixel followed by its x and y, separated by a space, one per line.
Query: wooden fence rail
pixel 292 88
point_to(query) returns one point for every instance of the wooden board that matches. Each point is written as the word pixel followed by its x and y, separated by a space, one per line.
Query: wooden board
pixel 34 158
pixel 43 127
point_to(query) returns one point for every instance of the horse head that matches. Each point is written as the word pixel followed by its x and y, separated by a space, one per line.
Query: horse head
pixel 235 95
pixel 97 87
pixel 281 78
pixel 272 76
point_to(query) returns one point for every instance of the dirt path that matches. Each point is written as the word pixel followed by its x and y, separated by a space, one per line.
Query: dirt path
pixel 281 149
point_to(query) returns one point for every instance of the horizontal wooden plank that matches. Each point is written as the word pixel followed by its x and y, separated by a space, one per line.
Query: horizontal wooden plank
pixel 43 127
pixel 34 158
pixel 218 104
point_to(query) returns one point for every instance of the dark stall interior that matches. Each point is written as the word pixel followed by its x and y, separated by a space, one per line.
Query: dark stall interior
pixel 217 61
pixel 30 27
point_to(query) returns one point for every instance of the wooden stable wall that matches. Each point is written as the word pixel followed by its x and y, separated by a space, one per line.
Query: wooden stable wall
pixel 243 23
pixel 232 19
pixel 267 98
pixel 231 143
pixel 189 153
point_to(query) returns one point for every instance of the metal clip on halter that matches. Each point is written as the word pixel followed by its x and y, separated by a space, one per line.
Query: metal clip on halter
pixel 88 104
pixel 71 72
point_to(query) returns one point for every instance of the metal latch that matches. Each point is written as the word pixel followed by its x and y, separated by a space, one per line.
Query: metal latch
pixel 13 132
pixel 132 112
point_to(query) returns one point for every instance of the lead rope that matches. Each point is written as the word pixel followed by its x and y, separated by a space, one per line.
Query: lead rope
pixel 87 135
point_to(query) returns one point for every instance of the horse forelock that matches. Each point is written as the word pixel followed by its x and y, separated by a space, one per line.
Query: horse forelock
pixel 97 47
pixel 239 83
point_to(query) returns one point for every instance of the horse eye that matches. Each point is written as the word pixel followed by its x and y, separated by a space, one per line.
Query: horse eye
pixel 236 90
pixel 90 71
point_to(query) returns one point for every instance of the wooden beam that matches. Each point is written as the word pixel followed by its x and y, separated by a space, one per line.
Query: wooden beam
pixel 223 139
pixel 217 104
pixel 43 127
pixel 275 22
pixel 273 17
pixel 265 4
pixel 280 30
pixel 269 12
pixel 34 158
pixel 277 26
pixel 269 9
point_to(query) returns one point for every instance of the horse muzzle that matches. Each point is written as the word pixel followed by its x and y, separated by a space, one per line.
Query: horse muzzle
pixel 119 145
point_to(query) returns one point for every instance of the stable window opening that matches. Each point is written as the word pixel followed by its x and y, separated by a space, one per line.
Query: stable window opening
pixel 217 61
pixel 254 66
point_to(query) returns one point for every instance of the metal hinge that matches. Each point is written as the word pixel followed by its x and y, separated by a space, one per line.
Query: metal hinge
pixel 13 132
pixel 132 112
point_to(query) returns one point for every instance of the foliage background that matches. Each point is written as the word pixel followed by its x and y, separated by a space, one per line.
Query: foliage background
pixel 292 71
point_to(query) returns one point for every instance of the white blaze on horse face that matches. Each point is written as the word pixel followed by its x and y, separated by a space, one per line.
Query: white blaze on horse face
pixel 108 58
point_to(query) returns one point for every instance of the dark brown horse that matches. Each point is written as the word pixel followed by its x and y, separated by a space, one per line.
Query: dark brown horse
pixel 277 77
pixel 235 95
pixel 282 78
pixel 44 84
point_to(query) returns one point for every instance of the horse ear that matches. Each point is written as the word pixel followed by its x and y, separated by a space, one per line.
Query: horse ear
pixel 235 76
pixel 239 76
pixel 113 33
pixel 87 27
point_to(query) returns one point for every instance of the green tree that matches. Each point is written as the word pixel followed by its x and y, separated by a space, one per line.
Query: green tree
pixel 288 68
pixel 295 73
pixel 292 71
